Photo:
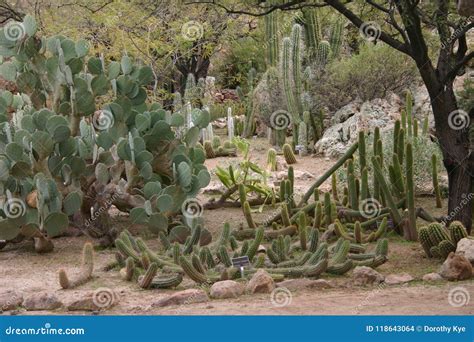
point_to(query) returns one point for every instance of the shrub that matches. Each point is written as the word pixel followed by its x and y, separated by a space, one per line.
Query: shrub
pixel 373 73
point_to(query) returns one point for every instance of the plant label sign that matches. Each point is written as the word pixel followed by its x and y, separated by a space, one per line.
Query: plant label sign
pixel 241 262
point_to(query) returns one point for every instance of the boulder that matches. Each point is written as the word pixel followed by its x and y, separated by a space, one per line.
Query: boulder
pixel 226 289
pixel 396 279
pixel 363 275
pixel 349 120
pixel 465 247
pixel 189 296
pixel 304 283
pixel 42 301
pixel 456 267
pixel 432 277
pixel 10 300
pixel 91 302
pixel 261 282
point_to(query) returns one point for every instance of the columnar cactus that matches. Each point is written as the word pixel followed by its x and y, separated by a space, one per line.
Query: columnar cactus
pixel 434 172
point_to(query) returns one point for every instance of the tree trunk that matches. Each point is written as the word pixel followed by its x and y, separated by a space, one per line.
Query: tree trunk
pixel 454 142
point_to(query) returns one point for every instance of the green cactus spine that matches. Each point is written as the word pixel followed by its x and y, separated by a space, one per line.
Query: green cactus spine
pixel 446 247
pixel 296 60
pixel 335 39
pixel 197 264
pixel 302 230
pixel 457 231
pixel 248 215
pixel 253 248
pixel 195 236
pixel 191 272
pixel 210 153
pixel 288 154
pixel 285 217
pixel 318 215
pixel 166 282
pixel 340 269
pixel 312 30
pixel 85 273
pixel 386 191
pixel 322 54
pixel 224 256
pixel 334 187
pixel 147 278
pixel 425 241
pixel 409 114
pixel 303 138
pixel 271 160
pixel 358 232
pixel 271 37
pixel 327 208
pixel 412 233
pixel 176 252
pixel 314 240
pixel 434 171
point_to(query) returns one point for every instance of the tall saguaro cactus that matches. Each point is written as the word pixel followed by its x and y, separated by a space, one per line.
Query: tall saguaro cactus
pixel 312 30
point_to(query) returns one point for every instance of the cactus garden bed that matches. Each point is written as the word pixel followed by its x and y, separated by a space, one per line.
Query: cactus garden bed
pixel 30 273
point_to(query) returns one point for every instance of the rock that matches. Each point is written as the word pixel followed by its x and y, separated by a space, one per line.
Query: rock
pixel 363 275
pixel 346 112
pixel 349 120
pixel 10 300
pixel 465 247
pixel 304 283
pixel 94 302
pixel 42 301
pixel 432 277
pixel 189 296
pixel 261 282
pixel 456 267
pixel 395 279
pixel 226 289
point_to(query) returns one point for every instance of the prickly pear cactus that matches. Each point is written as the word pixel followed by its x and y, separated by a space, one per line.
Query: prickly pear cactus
pixel 81 136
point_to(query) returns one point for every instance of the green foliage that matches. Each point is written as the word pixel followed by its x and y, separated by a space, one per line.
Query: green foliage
pixel 57 148
pixel 351 78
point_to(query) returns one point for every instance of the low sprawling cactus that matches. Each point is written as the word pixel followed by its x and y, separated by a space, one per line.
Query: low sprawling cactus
pixel 85 273
pixel 85 139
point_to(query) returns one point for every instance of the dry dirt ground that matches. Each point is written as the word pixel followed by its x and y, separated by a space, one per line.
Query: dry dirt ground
pixel 23 270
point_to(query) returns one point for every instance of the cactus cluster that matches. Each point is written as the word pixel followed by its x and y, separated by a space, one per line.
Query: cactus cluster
pixel 215 148
pixel 437 241
pixel 83 137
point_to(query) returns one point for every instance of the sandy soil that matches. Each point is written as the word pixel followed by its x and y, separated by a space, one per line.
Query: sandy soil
pixel 24 270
